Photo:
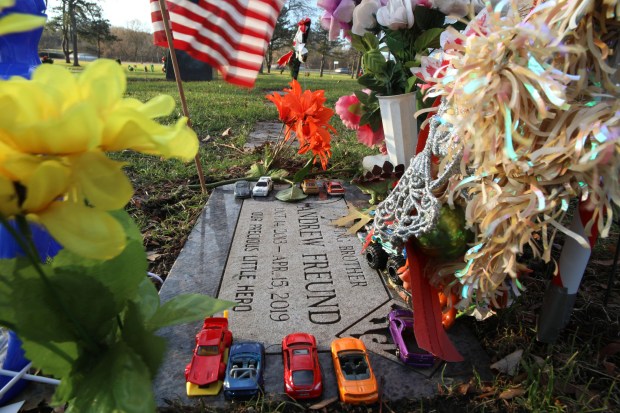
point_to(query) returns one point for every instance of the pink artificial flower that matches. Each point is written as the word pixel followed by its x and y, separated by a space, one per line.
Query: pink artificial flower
pixel 350 111
pixel 338 16
pixel 368 137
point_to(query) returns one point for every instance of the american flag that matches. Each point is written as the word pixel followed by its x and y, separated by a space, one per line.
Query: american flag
pixel 230 35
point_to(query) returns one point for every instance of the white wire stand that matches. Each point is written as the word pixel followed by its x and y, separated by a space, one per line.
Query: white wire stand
pixel 18 375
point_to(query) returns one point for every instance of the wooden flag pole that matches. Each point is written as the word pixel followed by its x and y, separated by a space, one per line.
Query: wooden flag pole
pixel 177 76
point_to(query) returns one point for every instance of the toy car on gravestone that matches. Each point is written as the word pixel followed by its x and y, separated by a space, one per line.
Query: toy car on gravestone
pixel 205 373
pixel 309 186
pixel 334 188
pixel 245 371
pixel 242 189
pixel 302 371
pixel 382 255
pixel 357 383
pixel 263 186
pixel 400 324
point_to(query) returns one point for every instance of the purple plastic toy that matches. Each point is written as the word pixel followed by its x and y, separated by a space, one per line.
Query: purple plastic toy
pixel 407 350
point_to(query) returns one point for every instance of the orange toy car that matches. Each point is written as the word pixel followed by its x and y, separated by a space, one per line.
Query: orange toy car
pixel 357 383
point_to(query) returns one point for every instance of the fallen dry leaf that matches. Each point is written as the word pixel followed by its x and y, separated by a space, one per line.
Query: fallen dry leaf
pixel 610 349
pixel 323 403
pixel 462 389
pixel 511 393
pixel 509 364
pixel 207 138
pixel 226 132
pixel 152 256
pixel 609 367
pixel 602 262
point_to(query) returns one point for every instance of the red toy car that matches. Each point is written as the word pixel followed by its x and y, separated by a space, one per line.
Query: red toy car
pixel 334 188
pixel 205 373
pixel 302 371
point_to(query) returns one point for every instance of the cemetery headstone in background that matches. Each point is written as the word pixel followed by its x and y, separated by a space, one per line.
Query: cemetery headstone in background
pixel 191 69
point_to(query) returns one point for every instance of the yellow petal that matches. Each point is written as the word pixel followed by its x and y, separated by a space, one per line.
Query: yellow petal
pixel 85 231
pixel 77 130
pixel 161 105
pixel 6 3
pixel 8 198
pixel 59 84
pixel 103 83
pixel 49 181
pixel 17 22
pixel 131 130
pixel 101 180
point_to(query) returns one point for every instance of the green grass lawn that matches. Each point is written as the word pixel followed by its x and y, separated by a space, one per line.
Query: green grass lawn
pixel 168 197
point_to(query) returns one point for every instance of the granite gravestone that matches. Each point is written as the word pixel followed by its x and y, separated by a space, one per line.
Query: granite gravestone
pixel 288 269
pixel 292 271
pixel 191 69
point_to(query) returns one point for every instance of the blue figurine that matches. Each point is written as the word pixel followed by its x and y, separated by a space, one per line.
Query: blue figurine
pixel 19 57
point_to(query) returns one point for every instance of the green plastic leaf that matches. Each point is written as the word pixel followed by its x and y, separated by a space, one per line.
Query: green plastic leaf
pixel 357 43
pixel 291 194
pixel 303 172
pixel 426 18
pixel 121 276
pixel 278 173
pixel 147 299
pixel 362 96
pixel 144 342
pixel 119 382
pixel 395 43
pixel 411 82
pixel 372 83
pixel 373 61
pixel 186 308
pixel 56 359
pixel 371 41
pixel 428 39
pixel 8 267
pixel 256 171
pixel 64 308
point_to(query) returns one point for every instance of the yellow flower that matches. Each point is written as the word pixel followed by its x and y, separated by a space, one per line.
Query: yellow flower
pixel 18 22
pixel 54 132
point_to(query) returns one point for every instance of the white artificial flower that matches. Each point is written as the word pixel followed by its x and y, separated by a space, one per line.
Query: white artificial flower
pixel 364 16
pixel 396 15
pixel 460 7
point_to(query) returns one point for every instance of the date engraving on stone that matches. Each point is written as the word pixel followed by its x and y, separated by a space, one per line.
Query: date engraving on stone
pixel 290 270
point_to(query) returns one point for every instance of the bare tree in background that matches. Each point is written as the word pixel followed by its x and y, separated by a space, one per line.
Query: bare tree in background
pixel 95 29
pixel 282 36
pixel 320 43
pixel 71 17
pixel 299 9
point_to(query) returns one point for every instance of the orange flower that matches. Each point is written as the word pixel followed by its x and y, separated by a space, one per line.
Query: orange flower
pixel 303 113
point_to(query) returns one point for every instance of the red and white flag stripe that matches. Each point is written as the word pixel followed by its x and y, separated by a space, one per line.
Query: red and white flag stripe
pixel 230 35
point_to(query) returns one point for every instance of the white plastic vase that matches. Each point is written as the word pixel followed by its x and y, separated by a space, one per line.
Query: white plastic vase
pixel 399 126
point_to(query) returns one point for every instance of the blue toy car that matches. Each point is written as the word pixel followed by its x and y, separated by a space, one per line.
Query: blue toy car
pixel 245 371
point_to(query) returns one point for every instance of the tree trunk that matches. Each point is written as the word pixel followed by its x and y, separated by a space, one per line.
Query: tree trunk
pixel 269 58
pixel 74 37
pixel 322 65
pixel 65 48
pixel 65 34
pixel 358 66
